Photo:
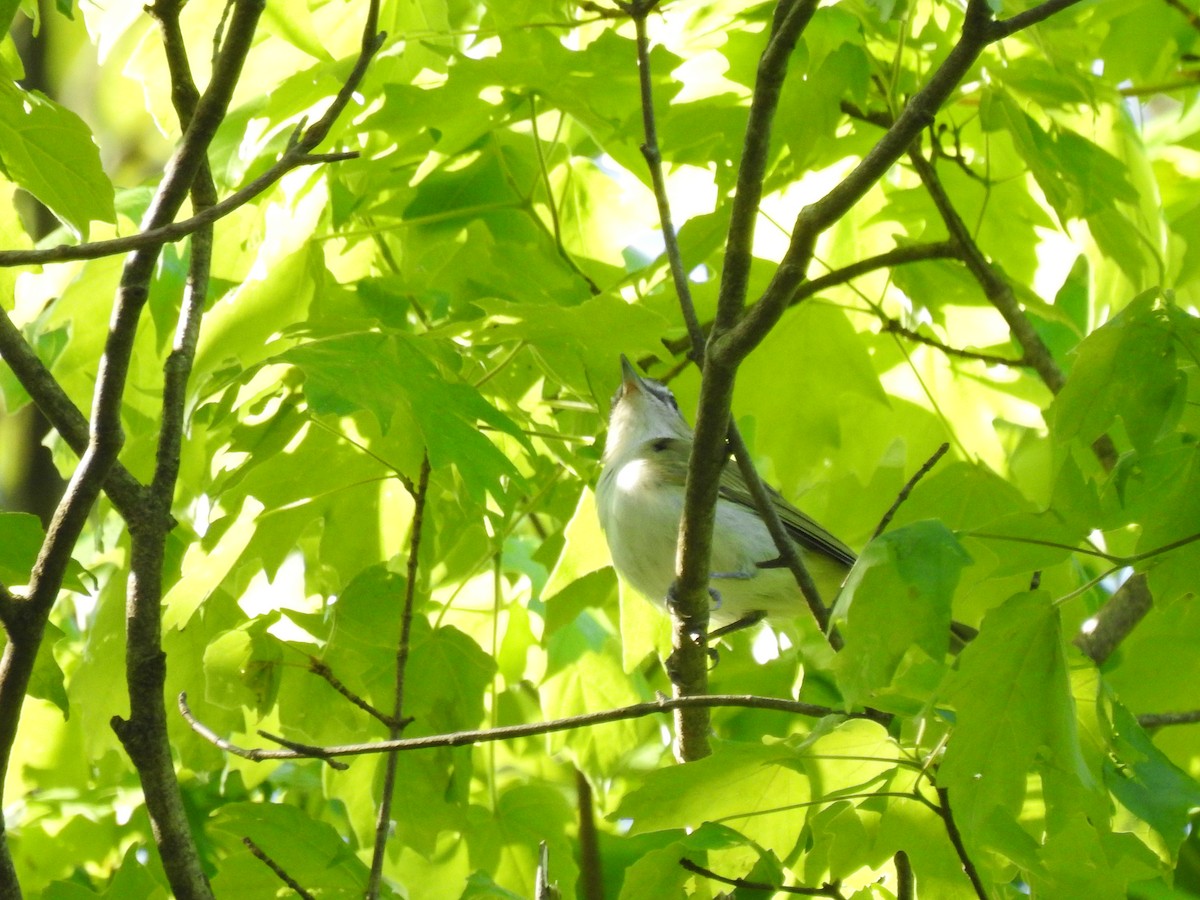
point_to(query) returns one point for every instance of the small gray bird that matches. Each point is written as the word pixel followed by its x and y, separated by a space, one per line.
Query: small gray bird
pixel 640 503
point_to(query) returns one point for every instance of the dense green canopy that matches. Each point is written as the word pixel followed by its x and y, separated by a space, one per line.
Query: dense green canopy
pixel 363 404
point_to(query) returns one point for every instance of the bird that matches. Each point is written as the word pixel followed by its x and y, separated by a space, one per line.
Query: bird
pixel 639 501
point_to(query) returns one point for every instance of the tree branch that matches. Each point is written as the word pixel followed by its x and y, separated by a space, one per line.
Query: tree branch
pixel 690 602
pixel 1160 720
pixel 509 732
pixel 1022 20
pixel 318 667
pixel 144 734
pixel 968 866
pixel 826 890
pixel 895 257
pixel 907 489
pixel 105 434
pixel 60 411
pixel 995 287
pixel 894 326
pixel 383 820
pixel 1129 605
pixel 275 867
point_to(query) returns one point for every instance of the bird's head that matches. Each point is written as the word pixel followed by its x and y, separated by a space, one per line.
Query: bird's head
pixel 642 409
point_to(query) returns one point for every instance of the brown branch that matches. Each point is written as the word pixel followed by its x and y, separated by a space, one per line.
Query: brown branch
pixel 995 287
pixel 1129 605
pixel 383 820
pixel 105 436
pixel 906 884
pixel 318 667
pixel 911 253
pixel 275 867
pixel 894 326
pixel 687 665
pixel 895 257
pixel 1160 720
pixel 591 871
pixel 1006 27
pixel 784 545
pixel 1115 620
pixel 907 489
pixel 510 732
pixel 144 734
pixel 61 412
pixel 827 890
pixel 1193 17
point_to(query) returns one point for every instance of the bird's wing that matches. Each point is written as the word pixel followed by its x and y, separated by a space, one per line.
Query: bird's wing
pixel 669 457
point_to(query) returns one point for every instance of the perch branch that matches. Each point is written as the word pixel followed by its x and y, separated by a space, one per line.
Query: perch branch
pixel 510 732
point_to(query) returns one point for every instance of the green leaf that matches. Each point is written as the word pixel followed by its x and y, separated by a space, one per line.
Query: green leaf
pixel 1010 695
pixel 594 681
pixel 749 788
pixel 1125 369
pixel 49 151
pixel 897 596
pixel 392 377
pixel 1146 782
pixel 814 354
pixel 21 538
pixel 309 850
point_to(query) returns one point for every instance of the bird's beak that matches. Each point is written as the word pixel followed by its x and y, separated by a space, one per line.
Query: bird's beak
pixel 630 380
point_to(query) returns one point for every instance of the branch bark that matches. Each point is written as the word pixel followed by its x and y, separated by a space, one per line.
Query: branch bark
pixel 144 734
pixel 509 732
pixel 105 434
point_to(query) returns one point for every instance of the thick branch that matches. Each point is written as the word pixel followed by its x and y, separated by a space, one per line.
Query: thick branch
pixel 105 435
pixel 144 735
pixel 784 545
pixel 60 411
pixel 509 732
pixel 791 17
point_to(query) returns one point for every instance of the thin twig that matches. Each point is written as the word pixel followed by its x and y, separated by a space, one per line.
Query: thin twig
pixel 894 326
pixel 1193 17
pixel 996 288
pixel 908 487
pixel 968 865
pixel 398 722
pixel 510 732
pixel 827 890
pixel 318 667
pixel 303 750
pixel 275 867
